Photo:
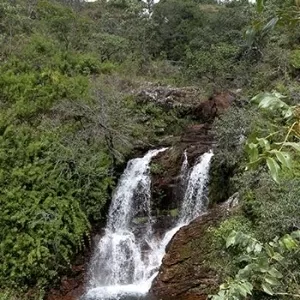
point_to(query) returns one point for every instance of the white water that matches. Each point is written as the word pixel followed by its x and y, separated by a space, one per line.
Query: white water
pixel 194 201
pixel 126 261
pixel 185 164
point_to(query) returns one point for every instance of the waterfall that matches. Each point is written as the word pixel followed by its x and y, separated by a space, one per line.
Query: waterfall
pixel 194 201
pixel 118 258
pixel 128 256
pixel 185 164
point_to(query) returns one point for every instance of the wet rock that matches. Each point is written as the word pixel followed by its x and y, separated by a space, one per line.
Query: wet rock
pixel 214 106
pixel 167 190
pixel 196 140
pixel 72 286
pixel 70 289
pixel 185 272
pixel 187 101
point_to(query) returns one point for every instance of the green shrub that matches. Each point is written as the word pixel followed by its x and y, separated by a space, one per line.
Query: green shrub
pixel 107 67
pixel 48 192
pixel 295 59
pixel 230 131
pixel 52 183
pixel 112 47
pixel 214 63
pixel 41 218
pixel 157 169
pixel 236 222
pixel 263 267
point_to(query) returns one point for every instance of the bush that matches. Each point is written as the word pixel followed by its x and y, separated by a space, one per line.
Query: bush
pixel 52 182
pixel 49 189
pixel 108 67
pixel 215 63
pixel 295 59
pixel 41 218
pixel 230 131
pixel 237 222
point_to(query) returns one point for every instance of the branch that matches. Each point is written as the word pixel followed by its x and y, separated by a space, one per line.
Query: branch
pixel 288 134
pixel 287 294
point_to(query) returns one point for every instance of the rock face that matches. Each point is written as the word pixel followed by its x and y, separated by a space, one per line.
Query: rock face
pixel 166 187
pixel 195 140
pixel 71 288
pixel 187 101
pixel 169 97
pixel 185 273
pixel 214 106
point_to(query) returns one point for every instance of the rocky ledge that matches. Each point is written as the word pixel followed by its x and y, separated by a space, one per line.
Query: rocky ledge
pixel 186 273
pixel 195 140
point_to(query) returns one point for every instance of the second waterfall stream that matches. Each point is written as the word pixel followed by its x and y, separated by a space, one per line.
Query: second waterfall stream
pixel 128 256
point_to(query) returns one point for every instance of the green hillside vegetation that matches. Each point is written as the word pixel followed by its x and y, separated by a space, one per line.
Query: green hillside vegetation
pixel 69 122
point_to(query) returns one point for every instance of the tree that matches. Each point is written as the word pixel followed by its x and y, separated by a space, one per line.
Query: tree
pixel 175 24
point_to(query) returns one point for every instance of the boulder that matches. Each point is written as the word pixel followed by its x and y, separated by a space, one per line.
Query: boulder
pixel 185 272
pixel 214 106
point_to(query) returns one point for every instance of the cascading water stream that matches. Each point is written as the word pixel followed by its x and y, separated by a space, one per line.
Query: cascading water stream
pixel 126 261
pixel 118 260
pixel 194 201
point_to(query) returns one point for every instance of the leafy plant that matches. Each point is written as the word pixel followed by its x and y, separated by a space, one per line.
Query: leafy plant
pixel 269 150
pixel 295 59
pixel 157 169
pixel 264 266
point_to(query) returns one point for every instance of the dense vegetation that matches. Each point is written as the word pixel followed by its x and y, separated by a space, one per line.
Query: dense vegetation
pixel 262 237
pixel 68 119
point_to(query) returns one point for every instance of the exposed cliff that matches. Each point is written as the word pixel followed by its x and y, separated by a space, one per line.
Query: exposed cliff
pixel 186 271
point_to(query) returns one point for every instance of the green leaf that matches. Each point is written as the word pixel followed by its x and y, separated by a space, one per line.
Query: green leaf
pixel 252 150
pixel 267 289
pixel 250 36
pixel 289 243
pixel 242 290
pixel 289 113
pixel 296 234
pixel 296 146
pixel 270 25
pixel 274 168
pixel 263 264
pixel 275 273
pixel 272 101
pixel 257 248
pixel 271 280
pixel 269 250
pixel 284 158
pixel 251 246
pixel 277 256
pixel 230 241
pixel 245 272
pixel 224 286
pixel 248 286
pixel 264 143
